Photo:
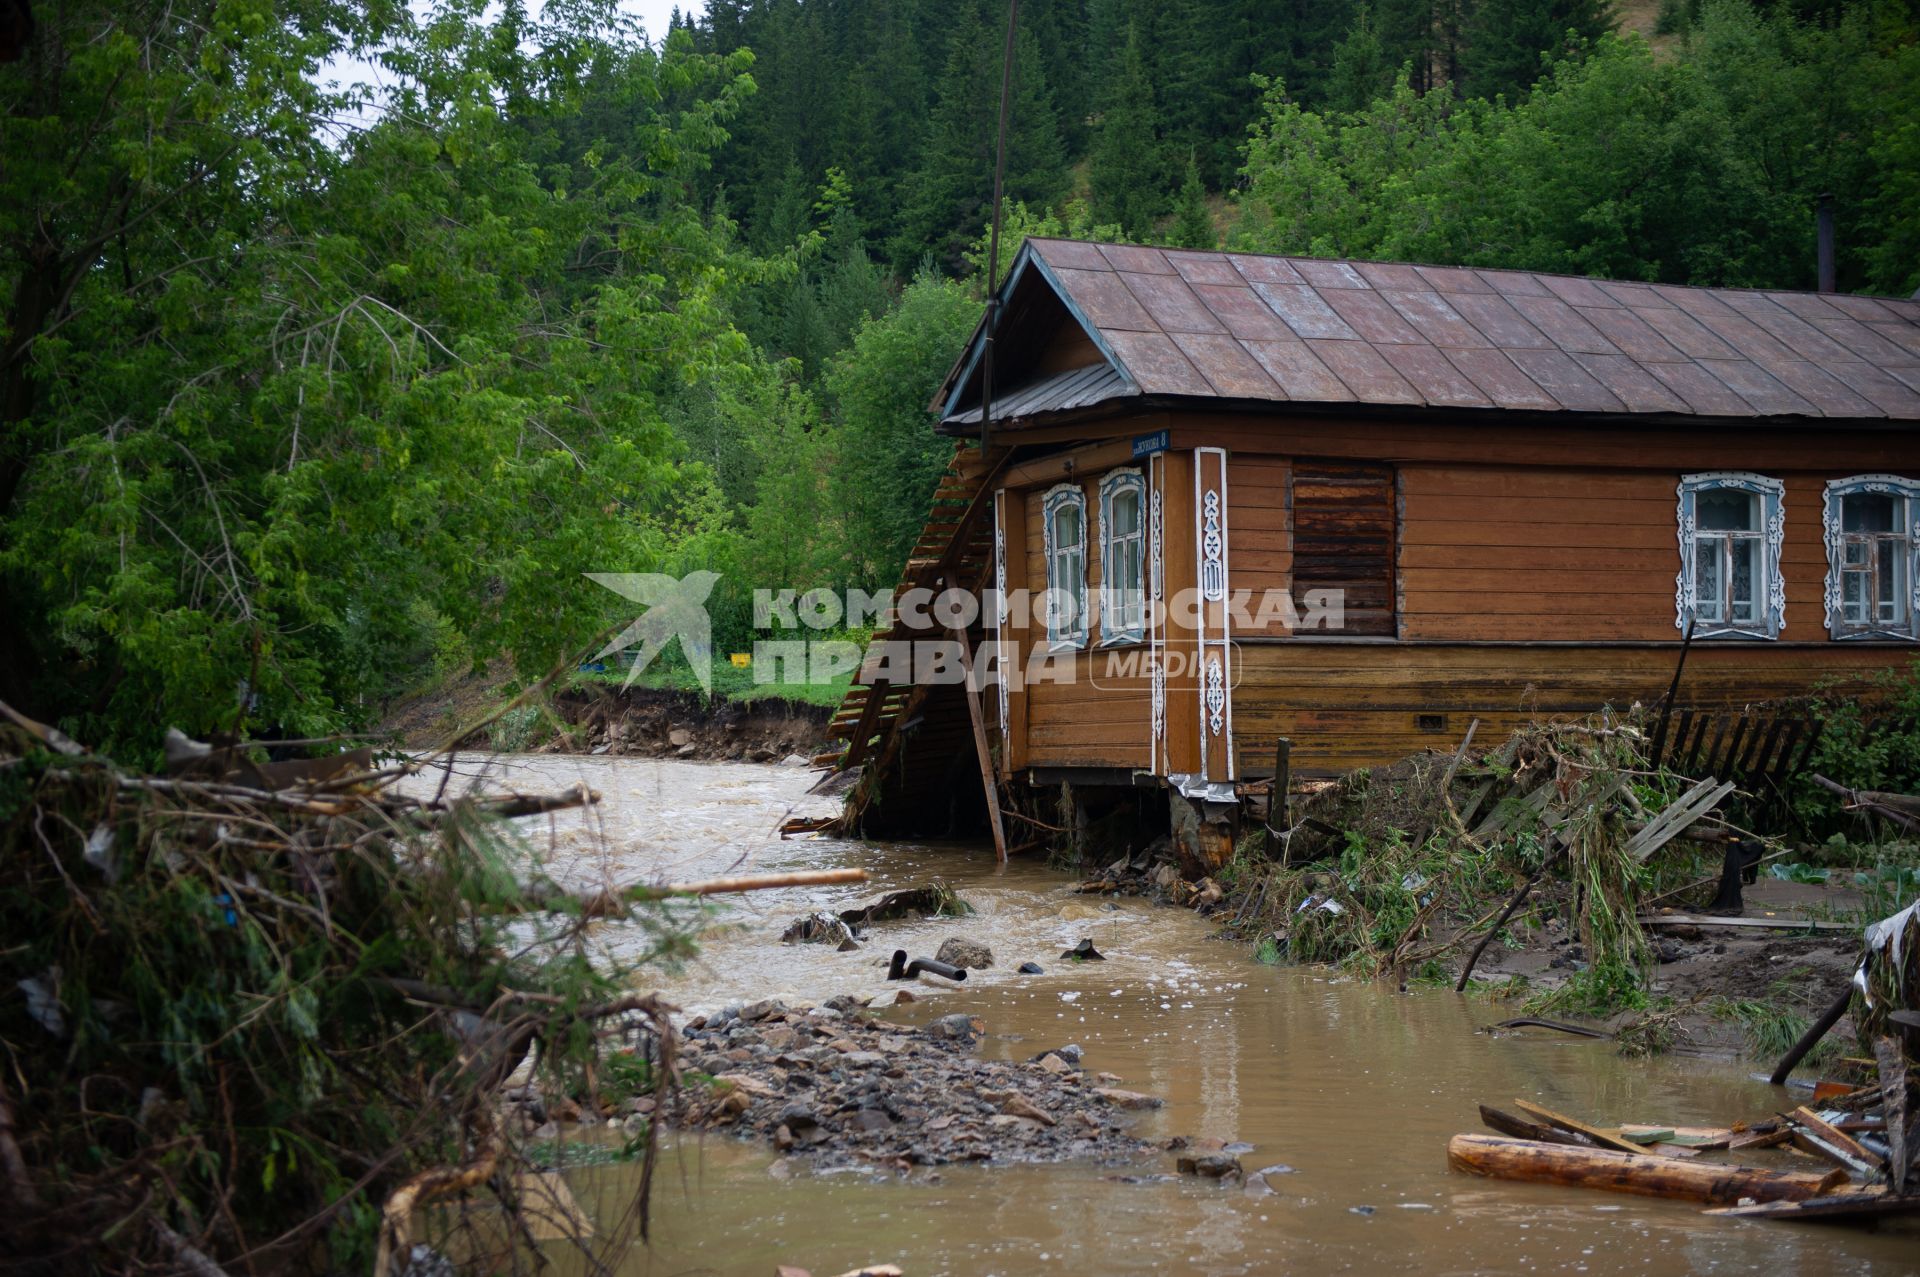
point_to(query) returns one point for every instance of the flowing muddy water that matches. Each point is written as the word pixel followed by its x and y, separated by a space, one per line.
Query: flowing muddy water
pixel 1354 1087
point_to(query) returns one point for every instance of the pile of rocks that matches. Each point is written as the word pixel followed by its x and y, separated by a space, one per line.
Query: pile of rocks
pixel 844 1089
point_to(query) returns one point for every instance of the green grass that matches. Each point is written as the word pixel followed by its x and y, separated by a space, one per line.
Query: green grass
pixel 1770 1029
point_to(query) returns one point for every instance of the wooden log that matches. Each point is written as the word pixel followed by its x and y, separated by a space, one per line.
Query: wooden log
pixel 1762 924
pixel 1639 1173
pixel 1565 1123
pixel 1808 1040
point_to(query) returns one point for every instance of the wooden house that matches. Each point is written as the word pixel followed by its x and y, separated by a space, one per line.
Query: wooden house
pixel 1525 490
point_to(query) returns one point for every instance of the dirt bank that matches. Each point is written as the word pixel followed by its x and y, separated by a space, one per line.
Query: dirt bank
pixel 645 722
pixel 632 722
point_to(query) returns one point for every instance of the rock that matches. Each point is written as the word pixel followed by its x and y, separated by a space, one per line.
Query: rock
pixel 1084 952
pixel 849 945
pixel 959 1027
pixel 1032 968
pixel 966 954
pixel 817 928
pixel 679 738
pixel 870 1119
pixel 760 754
pixel 904 996
pixel 795 760
pixel 686 751
pixel 798 1118
pixel 1360 1210
pixel 762 1009
pixel 1211 893
pixel 1018 1105
pixel 1278 1168
pixel 1128 1099
pixel 1211 1166
pixel 1054 1064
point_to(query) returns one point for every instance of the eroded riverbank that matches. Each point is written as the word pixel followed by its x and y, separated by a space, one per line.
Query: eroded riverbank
pixel 1355 1087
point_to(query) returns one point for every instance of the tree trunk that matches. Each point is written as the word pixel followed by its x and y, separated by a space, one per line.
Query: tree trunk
pixel 1643 1173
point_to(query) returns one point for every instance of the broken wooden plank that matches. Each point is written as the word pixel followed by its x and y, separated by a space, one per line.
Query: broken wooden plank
pixel 1678 817
pixel 1892 1063
pixel 1813 1135
pixel 1833 1206
pixel 1521 1129
pixel 1773 923
pixel 1634 1172
pixel 1704 1138
pixel 1562 1122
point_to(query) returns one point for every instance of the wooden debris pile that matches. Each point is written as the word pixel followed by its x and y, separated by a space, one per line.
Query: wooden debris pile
pixel 1855 1153
pixel 1394 868
pixel 266 1022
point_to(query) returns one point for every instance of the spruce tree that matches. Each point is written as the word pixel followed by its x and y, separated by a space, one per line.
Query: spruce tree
pixel 1505 39
pixel 1193 221
pixel 947 198
pixel 1359 66
pixel 1125 170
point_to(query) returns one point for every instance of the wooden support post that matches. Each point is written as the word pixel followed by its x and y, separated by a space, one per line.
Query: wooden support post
pixel 978 719
pixel 1277 802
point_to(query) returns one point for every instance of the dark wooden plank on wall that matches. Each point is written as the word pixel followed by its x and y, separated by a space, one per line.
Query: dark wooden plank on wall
pixel 1343 534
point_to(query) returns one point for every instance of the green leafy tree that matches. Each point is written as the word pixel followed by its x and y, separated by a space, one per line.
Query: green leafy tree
pixel 1360 70
pixel 1508 43
pixel 888 459
pixel 288 408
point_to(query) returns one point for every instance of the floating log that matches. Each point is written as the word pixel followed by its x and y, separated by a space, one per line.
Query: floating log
pixel 1641 1173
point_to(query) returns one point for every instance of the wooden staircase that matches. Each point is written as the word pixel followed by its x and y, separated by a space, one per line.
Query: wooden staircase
pixel 908 735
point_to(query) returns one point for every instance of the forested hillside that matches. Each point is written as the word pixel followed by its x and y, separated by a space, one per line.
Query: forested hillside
pixel 300 411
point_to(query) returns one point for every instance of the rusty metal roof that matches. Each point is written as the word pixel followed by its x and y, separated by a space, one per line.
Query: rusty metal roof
pixel 1251 327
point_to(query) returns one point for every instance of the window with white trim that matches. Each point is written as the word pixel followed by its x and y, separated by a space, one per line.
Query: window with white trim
pixel 1123 556
pixel 1872 527
pixel 1064 538
pixel 1731 526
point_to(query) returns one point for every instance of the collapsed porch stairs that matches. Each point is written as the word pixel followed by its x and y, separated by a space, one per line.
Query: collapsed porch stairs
pixel 914 741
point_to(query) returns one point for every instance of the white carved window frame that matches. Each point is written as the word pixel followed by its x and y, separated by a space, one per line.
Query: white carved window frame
pixel 1060 497
pixel 1122 621
pixel 1770 591
pixel 1831 530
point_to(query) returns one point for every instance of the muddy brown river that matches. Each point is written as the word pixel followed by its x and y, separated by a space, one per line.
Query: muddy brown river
pixel 1353 1086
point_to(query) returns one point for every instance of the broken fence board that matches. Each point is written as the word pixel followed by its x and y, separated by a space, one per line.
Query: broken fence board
pixel 1708 920
pixel 1562 1122
pixel 1678 817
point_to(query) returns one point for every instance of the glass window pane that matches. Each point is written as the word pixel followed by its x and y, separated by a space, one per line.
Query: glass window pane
pixel 1126 513
pixel 1855 553
pixel 1745 556
pixel 1853 598
pixel 1885 590
pixel 1066 526
pixel 1726 510
pixel 1706 577
pixel 1868 512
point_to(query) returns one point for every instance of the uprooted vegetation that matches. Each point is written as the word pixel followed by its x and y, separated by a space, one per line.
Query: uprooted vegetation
pixel 260 1029
pixel 1558 841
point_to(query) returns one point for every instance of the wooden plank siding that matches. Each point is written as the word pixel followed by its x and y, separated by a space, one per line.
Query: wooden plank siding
pixel 1533 575
pixel 1089 717
pixel 1347 705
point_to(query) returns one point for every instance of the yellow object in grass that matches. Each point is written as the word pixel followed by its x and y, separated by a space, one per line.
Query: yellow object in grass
pixel 741 660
